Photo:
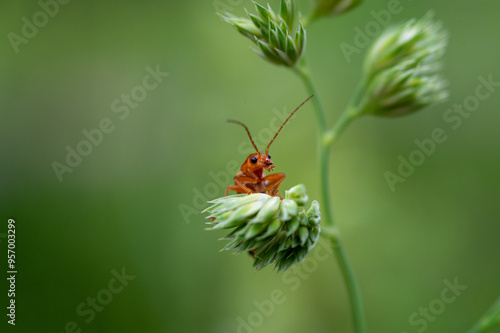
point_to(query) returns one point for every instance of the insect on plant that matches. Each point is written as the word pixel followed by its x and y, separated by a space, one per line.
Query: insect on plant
pixel 251 177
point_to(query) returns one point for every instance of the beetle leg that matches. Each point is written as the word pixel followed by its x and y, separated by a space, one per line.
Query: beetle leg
pixel 235 188
pixel 240 187
pixel 273 182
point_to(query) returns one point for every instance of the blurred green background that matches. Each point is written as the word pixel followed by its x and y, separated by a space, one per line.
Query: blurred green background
pixel 132 204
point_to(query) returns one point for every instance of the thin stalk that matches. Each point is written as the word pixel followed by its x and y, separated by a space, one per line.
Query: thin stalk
pixel 489 320
pixel 325 139
pixel 303 72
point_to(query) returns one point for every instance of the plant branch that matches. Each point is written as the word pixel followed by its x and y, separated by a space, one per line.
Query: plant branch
pixel 303 72
pixel 489 320
pixel 325 139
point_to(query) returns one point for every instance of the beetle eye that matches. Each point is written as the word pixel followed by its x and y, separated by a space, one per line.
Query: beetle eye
pixel 269 156
pixel 253 160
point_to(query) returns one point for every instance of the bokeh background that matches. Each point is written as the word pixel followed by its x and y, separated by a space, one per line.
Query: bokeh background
pixel 133 203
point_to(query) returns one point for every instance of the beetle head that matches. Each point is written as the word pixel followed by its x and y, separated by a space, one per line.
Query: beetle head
pixel 258 161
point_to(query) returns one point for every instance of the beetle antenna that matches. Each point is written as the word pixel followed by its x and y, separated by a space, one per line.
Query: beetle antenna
pixel 290 116
pixel 246 129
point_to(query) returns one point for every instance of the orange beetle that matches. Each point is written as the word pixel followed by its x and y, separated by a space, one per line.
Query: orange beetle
pixel 251 178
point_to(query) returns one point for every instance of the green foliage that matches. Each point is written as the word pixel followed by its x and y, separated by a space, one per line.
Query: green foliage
pixel 273 230
pixel 402 89
pixel 334 7
pixel 402 69
pixel 279 39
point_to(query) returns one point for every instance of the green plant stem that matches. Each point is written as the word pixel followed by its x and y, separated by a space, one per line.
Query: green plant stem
pixel 302 71
pixel 325 139
pixel 489 320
